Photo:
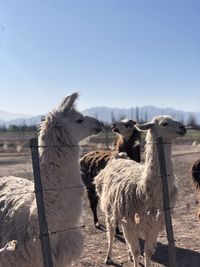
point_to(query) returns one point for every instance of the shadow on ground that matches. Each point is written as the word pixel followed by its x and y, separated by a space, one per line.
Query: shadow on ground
pixel 185 257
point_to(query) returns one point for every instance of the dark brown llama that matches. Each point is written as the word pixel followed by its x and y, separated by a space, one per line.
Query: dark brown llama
pixel 195 173
pixel 93 162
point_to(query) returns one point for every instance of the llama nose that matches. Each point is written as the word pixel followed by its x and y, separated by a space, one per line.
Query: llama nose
pixel 183 130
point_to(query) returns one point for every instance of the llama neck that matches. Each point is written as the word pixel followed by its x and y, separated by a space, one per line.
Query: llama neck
pixel 152 177
pixel 61 180
pixel 58 166
pixel 59 159
pixel 126 143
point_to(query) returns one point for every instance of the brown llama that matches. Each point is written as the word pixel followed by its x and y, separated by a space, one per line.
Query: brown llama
pixel 93 162
pixel 195 173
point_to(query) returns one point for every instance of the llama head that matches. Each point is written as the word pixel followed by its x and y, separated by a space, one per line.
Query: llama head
pixel 71 125
pixel 164 126
pixel 125 128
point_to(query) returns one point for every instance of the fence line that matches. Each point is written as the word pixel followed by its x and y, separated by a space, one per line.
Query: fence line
pixel 166 202
pixel 80 226
pixel 44 233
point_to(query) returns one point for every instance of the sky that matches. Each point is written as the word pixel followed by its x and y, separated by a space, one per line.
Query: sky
pixel 115 53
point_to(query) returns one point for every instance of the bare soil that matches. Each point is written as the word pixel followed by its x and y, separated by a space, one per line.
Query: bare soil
pixel 186 223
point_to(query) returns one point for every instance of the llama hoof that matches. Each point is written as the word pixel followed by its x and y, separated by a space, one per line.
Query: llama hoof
pixel 108 261
pixel 130 258
pixel 97 225
pixel 118 232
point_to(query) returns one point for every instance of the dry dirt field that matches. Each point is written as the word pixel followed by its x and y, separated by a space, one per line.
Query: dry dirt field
pixel 186 223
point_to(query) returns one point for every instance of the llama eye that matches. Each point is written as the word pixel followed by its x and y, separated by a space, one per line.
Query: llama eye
pixel 165 124
pixel 126 125
pixel 80 120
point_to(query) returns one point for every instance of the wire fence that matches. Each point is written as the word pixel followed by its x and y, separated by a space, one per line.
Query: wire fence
pixel 49 190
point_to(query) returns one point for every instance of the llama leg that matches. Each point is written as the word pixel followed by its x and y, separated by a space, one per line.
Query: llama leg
pixel 132 241
pixel 150 246
pixel 110 235
pixel 93 200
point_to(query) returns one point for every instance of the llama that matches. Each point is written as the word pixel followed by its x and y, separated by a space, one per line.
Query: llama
pixel 195 173
pixel 59 136
pixel 128 139
pixel 131 193
pixel 93 162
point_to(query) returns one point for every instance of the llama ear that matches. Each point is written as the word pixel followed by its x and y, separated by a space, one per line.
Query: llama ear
pixel 132 123
pixel 68 102
pixel 144 127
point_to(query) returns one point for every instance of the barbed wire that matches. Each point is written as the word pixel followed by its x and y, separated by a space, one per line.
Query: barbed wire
pixel 82 146
pixel 80 227
pixel 75 187
pixel 39 236
pixel 146 213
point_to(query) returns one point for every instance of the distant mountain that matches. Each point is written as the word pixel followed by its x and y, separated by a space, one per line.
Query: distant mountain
pixel 106 114
pixel 36 120
pixel 145 113
pixel 7 116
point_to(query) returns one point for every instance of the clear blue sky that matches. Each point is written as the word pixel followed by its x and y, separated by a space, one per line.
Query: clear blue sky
pixel 118 53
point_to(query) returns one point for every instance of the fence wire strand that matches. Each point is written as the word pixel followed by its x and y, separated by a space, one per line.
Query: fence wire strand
pixel 146 213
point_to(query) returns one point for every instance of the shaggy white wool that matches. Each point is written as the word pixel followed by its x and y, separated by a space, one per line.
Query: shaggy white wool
pixel 128 190
pixel 61 178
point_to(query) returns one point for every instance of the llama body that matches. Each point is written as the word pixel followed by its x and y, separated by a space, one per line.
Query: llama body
pixel 195 173
pixel 93 162
pixel 131 193
pixel 63 187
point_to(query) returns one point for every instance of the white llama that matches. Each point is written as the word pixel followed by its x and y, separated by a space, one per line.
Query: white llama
pixel 131 193
pixel 59 136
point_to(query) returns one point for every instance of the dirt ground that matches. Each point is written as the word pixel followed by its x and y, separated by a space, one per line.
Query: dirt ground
pixel 186 224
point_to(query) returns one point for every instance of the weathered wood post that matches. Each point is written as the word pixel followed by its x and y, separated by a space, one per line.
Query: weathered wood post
pixel 166 202
pixel 44 234
pixel 106 136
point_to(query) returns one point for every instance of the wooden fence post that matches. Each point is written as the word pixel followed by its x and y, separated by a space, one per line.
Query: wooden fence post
pixel 106 136
pixel 44 234
pixel 166 202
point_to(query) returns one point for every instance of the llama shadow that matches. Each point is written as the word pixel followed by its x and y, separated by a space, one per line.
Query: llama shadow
pixel 185 257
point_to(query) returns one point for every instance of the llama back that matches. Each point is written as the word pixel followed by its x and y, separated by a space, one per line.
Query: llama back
pixel 91 164
pixel 16 197
pixel 119 173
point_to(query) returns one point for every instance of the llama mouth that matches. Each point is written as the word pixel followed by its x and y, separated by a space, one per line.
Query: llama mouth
pixel 181 132
pixel 115 130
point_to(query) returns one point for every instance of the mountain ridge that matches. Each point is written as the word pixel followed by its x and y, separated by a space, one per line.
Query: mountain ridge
pixel 106 114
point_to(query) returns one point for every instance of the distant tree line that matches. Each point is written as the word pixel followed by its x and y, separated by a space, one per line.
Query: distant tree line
pixel 17 128
pixel 135 114
pixel 192 123
pixel 142 117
